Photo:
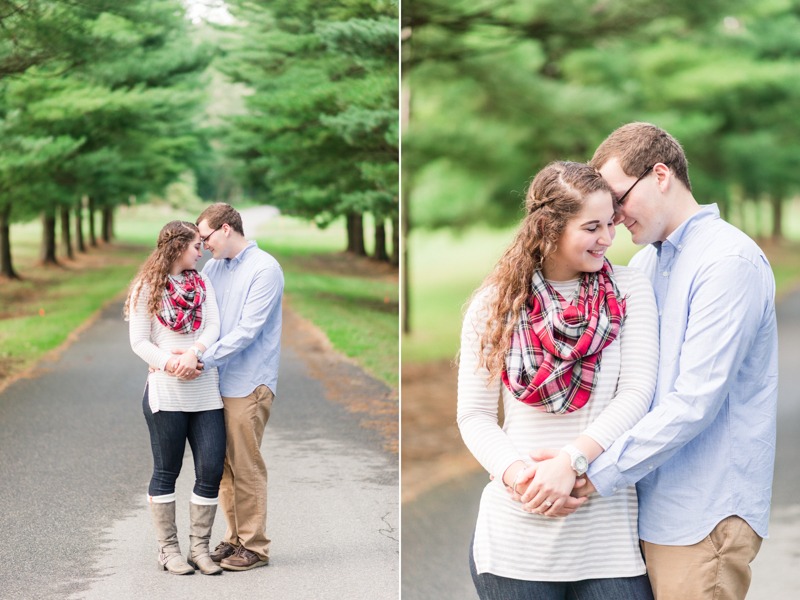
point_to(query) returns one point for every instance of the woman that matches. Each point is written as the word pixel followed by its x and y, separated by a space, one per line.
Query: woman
pixel 572 342
pixel 172 306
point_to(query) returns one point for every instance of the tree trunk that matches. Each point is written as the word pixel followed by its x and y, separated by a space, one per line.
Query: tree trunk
pixel 108 223
pixel 48 254
pixel 395 258
pixel 355 234
pixel 6 268
pixel 405 119
pixel 350 235
pixel 380 240
pixel 79 227
pixel 66 236
pixel 777 218
pixel 405 316
pixel 92 237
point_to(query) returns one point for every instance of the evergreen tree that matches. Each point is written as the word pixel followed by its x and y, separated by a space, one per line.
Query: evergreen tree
pixel 136 112
pixel 321 136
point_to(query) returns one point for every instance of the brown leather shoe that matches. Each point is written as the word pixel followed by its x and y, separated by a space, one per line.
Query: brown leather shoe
pixel 242 560
pixel 223 550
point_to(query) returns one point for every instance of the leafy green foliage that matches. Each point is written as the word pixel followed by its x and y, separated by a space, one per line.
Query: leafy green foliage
pixel 499 89
pixel 321 135
pixel 112 101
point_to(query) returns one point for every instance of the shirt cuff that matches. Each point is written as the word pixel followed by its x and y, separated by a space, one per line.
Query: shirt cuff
pixel 209 362
pixel 605 476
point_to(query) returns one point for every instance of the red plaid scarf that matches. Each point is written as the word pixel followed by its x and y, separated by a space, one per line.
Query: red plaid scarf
pixel 182 303
pixel 556 347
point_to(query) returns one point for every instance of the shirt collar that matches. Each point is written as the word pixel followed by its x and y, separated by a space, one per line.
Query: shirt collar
pixel 231 263
pixel 684 232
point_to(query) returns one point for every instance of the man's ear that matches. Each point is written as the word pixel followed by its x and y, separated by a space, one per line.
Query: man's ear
pixel 664 176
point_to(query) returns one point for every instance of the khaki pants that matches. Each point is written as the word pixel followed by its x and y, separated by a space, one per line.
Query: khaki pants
pixel 243 489
pixel 716 568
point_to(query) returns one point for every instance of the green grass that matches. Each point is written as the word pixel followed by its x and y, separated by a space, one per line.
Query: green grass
pixel 358 314
pixel 354 314
pixel 58 311
pixel 353 311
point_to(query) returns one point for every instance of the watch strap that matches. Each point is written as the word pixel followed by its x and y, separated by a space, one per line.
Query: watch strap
pixel 578 459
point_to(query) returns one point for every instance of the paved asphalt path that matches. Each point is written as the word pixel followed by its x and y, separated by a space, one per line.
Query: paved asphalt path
pixel 75 465
pixel 437 527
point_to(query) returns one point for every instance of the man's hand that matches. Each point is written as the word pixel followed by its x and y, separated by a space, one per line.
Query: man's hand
pixel 582 490
pixel 569 507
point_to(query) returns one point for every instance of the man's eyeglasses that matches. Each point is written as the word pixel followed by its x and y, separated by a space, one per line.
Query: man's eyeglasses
pixel 622 198
pixel 205 239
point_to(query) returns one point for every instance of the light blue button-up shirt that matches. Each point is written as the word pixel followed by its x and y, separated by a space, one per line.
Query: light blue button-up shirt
pixel 706 449
pixel 249 288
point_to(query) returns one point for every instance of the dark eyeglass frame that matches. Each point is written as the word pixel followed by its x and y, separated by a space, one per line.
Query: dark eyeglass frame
pixel 203 240
pixel 645 172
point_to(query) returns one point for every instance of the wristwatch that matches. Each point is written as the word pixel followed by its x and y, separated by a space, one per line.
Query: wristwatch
pixel 197 352
pixel 579 462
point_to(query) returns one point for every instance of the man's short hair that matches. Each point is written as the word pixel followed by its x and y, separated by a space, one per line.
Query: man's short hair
pixel 638 146
pixel 220 213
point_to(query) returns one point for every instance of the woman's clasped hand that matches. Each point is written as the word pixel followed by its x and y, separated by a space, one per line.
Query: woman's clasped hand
pixel 550 487
pixel 185 365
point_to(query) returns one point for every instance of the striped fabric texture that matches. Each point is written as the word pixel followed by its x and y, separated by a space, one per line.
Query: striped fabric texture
pixel 153 343
pixel 601 539
pixel 556 345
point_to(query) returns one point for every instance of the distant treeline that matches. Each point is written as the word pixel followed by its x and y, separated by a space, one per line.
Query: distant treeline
pixel 498 89
pixel 103 102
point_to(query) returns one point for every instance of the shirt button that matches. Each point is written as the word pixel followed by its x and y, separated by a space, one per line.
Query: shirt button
pixel 666 273
pixel 613 489
pixel 679 246
pixel 659 313
pixel 650 467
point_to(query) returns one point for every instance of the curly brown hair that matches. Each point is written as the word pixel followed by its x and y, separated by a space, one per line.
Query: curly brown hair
pixel 173 240
pixel 554 197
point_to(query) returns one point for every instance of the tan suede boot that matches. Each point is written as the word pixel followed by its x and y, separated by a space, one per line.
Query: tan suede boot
pixel 169 553
pixel 202 518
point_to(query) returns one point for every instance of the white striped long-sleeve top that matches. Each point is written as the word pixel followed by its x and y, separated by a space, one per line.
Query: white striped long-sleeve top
pixel 600 539
pixel 153 343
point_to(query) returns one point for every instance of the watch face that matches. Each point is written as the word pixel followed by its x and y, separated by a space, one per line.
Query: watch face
pixel 581 464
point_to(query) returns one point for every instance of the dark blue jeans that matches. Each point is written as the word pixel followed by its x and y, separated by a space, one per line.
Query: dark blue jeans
pixel 494 587
pixel 169 431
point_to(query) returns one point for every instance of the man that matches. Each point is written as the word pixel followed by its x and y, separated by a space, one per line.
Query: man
pixel 249 285
pixel 702 458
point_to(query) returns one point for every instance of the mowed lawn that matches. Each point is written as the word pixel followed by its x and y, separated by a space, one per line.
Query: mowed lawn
pixel 446 267
pixel 357 311
pixel 354 301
